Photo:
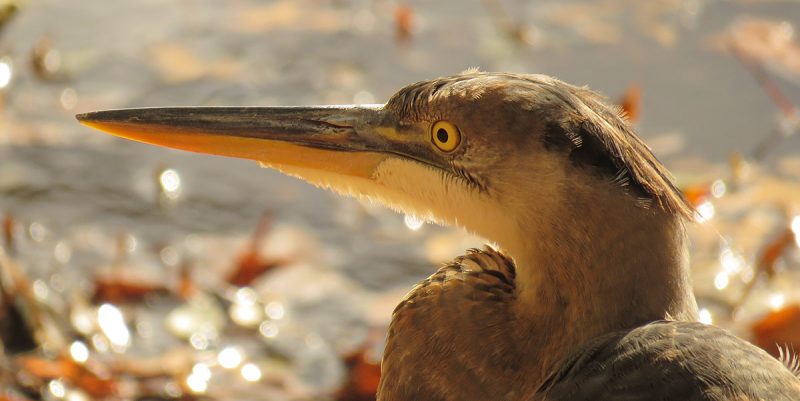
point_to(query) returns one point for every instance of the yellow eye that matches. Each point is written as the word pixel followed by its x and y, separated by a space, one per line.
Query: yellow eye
pixel 445 136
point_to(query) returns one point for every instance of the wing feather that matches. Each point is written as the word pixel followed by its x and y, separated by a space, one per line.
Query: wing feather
pixel 670 361
pixel 464 300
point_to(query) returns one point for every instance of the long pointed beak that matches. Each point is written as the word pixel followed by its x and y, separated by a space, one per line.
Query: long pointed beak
pixel 334 139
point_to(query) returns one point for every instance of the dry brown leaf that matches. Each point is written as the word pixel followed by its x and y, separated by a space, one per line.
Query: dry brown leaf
pixel 697 193
pixel 778 328
pixel 13 397
pixel 81 376
pixel 363 378
pixel 773 251
pixel 8 232
pixel 403 22
pixel 251 264
pixel 767 258
pixel 631 102
pixel 186 285
pixel 117 290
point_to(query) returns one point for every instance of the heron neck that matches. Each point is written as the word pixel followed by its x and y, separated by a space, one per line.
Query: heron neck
pixel 589 269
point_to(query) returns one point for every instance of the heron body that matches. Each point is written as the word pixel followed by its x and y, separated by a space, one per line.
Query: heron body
pixel 586 295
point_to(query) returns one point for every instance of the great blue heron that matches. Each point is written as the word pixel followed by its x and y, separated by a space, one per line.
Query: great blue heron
pixel 587 295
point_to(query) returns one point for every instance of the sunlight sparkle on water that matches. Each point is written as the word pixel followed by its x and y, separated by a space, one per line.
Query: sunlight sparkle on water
pixel 196 384
pixel 275 310
pixel 57 388
pixel 229 357
pixel 76 395
pixel 112 324
pixel 247 315
pixel 776 300
pixel 37 231
pixel 40 290
pixel 100 343
pixel 68 98
pixel 718 189
pixel 363 97
pixel 170 256
pixel 705 212
pixel 705 316
pixel 202 371
pixel 5 72
pixel 730 261
pixel 181 322
pixel 268 329
pixel 199 341
pixel 251 372
pixel 246 295
pixel 79 352
pixel 245 310
pixel 170 182
pixel 413 223
pixel 62 252
pixel 721 280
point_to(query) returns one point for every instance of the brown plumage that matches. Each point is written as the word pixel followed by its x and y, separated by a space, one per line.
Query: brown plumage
pixel 595 133
pixel 586 295
pixel 460 335
pixel 670 361
pixel 662 360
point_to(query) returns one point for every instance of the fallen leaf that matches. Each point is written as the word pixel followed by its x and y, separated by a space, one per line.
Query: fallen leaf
pixel 117 291
pixel 363 378
pixel 8 232
pixel 66 369
pixel 251 264
pixel 770 254
pixel 697 193
pixel 778 328
pixel 403 22
pixel 631 103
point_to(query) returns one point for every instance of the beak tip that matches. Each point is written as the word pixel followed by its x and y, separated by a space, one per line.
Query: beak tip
pixel 95 119
pixel 85 118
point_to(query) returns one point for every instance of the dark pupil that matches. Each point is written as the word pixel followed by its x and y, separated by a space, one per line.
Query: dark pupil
pixel 441 135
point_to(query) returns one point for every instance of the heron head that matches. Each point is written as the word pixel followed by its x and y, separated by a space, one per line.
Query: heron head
pixel 484 151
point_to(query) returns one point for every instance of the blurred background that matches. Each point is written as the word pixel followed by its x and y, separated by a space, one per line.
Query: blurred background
pixel 134 272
